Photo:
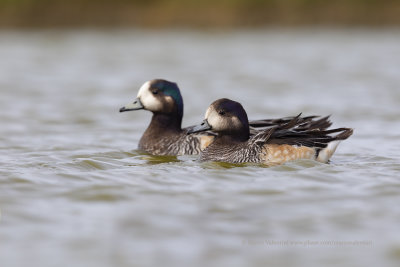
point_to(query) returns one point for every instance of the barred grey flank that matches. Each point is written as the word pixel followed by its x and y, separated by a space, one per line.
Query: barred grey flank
pixel 236 153
pixel 178 145
pixel 252 150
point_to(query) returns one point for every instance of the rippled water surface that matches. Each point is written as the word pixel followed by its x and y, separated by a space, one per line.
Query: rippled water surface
pixel 74 191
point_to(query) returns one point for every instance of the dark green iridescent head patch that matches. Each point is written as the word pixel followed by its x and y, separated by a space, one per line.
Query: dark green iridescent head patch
pixel 171 89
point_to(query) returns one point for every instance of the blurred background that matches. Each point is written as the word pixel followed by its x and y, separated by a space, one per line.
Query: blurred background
pixel 196 13
pixel 74 190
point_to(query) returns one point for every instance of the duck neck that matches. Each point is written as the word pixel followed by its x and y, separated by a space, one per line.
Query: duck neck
pixel 230 139
pixel 165 122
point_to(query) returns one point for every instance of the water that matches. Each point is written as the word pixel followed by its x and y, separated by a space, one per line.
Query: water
pixel 75 192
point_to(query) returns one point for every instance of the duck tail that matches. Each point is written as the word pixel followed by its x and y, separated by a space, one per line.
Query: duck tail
pixel 326 153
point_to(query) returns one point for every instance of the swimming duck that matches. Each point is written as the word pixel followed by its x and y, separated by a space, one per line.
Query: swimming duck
pixel 164 135
pixel 291 139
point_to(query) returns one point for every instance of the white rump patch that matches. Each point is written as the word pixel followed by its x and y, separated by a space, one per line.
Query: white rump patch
pixel 326 153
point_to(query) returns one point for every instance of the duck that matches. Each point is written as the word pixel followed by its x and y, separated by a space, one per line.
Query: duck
pixel 284 140
pixel 165 135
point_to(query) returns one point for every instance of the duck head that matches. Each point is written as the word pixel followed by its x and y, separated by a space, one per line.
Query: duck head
pixel 227 118
pixel 158 96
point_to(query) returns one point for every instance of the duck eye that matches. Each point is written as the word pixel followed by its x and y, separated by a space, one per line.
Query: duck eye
pixel 155 91
pixel 222 113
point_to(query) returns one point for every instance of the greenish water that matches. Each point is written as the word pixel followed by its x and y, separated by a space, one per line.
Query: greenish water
pixel 74 191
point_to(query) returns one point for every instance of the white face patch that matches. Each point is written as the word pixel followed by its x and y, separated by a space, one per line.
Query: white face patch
pixel 217 122
pixel 208 111
pixel 149 101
